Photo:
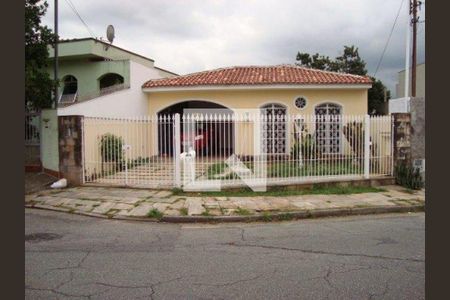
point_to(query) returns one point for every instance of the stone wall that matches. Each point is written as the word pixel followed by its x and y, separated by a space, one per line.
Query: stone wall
pixel 402 138
pixel 417 107
pixel 70 148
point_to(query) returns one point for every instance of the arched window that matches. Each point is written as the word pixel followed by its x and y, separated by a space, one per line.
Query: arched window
pixel 70 85
pixel 70 88
pixel 332 109
pixel 328 127
pixel 274 128
pixel 273 109
pixel 109 80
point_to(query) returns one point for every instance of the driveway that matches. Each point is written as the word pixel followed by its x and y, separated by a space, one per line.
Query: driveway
pixel 369 257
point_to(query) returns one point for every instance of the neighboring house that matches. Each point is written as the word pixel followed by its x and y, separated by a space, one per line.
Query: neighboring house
pixel 96 79
pixel 420 82
pixel 402 104
pixel 416 107
pixel 276 90
pixel 100 79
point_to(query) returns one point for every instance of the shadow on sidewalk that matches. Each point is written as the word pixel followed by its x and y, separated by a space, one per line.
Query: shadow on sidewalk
pixel 35 182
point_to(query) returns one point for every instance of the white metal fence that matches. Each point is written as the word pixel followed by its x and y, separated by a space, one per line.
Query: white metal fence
pixel 153 151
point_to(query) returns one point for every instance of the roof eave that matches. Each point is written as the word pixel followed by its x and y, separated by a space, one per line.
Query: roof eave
pixel 257 87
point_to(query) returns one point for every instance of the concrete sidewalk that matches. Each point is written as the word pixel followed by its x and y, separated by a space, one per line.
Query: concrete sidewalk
pixel 152 205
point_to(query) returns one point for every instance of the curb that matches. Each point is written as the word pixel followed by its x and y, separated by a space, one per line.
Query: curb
pixel 279 216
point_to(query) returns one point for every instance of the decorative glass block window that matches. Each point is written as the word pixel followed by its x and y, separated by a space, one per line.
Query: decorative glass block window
pixel 300 102
pixel 328 127
pixel 274 129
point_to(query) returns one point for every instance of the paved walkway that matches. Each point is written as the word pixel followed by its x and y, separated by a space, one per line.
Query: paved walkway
pixel 135 203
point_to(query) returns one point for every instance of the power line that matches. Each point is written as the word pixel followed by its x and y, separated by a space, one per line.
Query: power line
pixel 389 39
pixel 72 6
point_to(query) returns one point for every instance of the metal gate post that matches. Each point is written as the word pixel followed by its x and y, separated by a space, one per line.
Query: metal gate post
pixel 366 146
pixel 177 151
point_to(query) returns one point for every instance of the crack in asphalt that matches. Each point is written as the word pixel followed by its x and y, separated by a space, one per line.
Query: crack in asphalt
pixel 229 283
pixel 77 266
pixel 309 251
pixel 383 292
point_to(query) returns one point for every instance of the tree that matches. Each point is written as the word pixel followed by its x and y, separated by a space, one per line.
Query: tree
pixel 315 61
pixel 376 96
pixel 38 84
pixel 349 62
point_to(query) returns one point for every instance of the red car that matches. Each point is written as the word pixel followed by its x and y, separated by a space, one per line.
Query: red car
pixel 198 139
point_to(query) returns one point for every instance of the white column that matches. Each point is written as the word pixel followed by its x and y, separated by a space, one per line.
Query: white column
pixel 366 146
pixel 177 150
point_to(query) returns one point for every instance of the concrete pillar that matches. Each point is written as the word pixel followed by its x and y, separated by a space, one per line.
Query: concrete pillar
pixel 70 148
pixel 402 138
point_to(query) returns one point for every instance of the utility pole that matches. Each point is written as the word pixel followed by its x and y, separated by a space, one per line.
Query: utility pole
pixel 407 50
pixel 414 4
pixel 56 55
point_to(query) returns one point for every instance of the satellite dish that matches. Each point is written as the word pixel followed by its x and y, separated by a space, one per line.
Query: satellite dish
pixel 110 33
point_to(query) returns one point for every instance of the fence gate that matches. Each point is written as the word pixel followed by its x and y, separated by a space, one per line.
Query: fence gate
pixel 128 151
pixel 32 138
pixel 149 151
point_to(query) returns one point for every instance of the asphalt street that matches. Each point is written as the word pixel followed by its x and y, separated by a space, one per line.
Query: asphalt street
pixel 365 257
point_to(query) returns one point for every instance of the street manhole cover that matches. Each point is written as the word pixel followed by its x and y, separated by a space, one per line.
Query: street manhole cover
pixel 41 237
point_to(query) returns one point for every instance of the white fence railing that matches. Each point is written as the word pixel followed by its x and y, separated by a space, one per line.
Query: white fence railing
pixel 173 150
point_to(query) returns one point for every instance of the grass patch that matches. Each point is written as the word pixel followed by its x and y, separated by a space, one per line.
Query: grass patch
pixel 267 217
pixel 242 211
pixel 206 213
pixel 283 191
pixel 291 169
pixel 112 211
pixel 285 217
pixel 155 214
pixel 184 211
pixel 409 191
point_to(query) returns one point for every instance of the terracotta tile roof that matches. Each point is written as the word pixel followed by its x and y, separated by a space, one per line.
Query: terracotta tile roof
pixel 258 75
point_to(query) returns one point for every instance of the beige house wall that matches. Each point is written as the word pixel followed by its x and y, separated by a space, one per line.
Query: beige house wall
pixel 353 102
pixel 137 133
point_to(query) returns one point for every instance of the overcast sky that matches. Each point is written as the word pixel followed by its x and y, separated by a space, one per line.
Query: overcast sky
pixel 195 35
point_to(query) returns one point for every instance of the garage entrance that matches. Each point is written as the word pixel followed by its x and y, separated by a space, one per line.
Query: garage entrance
pixel 207 132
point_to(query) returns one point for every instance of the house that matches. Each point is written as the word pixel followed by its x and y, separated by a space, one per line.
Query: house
pixel 96 79
pixel 285 123
pixel 101 79
pixel 420 82
pixel 402 104
pixel 281 90
pixel 415 106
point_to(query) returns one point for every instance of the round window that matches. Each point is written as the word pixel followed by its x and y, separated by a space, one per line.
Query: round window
pixel 300 102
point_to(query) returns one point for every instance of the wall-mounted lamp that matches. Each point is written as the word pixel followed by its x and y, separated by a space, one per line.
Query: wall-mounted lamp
pixel 46 122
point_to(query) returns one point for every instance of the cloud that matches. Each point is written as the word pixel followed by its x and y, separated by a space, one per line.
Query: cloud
pixel 188 36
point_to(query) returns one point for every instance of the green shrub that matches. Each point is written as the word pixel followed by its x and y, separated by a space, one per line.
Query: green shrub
pixel 408 177
pixel 305 149
pixel 111 148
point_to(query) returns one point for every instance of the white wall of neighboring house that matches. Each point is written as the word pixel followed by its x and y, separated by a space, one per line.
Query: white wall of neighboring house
pixel 130 102
pixel 399 105
pixel 420 82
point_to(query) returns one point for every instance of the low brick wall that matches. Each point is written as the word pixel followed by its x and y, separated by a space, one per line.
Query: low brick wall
pixel 70 137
